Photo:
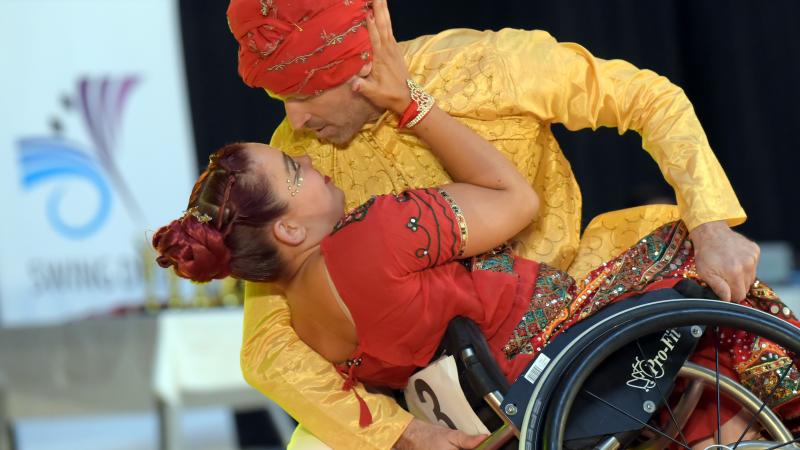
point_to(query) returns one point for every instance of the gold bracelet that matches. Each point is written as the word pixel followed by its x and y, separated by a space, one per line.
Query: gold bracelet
pixel 423 100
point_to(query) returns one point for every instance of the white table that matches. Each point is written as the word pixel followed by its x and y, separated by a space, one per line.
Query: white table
pixel 197 363
pixel 111 365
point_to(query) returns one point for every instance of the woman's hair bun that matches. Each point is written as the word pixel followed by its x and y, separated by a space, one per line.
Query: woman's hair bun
pixel 194 248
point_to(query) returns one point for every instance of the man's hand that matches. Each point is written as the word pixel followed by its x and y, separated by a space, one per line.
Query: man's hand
pixel 423 435
pixel 725 260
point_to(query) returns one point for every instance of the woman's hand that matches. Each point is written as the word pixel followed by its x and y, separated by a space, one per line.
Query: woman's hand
pixel 385 86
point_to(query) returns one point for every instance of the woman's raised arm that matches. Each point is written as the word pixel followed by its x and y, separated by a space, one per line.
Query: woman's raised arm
pixel 496 199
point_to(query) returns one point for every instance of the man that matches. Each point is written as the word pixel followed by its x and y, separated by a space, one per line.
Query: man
pixel 509 86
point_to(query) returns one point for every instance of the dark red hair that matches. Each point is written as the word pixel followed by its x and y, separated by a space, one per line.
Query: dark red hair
pixel 223 231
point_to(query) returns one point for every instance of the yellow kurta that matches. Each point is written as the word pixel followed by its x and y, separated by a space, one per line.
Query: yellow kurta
pixel 508 86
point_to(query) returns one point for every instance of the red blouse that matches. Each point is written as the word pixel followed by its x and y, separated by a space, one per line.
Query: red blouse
pixel 394 263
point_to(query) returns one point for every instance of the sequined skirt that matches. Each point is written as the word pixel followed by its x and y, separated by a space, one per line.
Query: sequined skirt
pixel 661 259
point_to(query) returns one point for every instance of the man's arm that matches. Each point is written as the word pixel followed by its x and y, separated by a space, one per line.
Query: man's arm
pixel 277 363
pixel 564 83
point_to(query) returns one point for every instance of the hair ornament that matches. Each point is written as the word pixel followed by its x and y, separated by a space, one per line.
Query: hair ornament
pixel 201 217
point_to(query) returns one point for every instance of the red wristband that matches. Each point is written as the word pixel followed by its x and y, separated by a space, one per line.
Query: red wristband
pixel 411 111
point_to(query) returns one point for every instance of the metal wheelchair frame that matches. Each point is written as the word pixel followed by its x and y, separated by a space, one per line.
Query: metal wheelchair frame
pixel 536 411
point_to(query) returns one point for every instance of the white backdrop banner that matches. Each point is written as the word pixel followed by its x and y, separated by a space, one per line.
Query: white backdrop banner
pixel 96 151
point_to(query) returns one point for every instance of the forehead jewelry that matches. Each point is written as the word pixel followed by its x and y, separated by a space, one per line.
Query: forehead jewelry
pixel 293 185
pixel 202 218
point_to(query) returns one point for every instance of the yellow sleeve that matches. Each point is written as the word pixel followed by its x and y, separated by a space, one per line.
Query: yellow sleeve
pixel 277 363
pixel 611 233
pixel 564 83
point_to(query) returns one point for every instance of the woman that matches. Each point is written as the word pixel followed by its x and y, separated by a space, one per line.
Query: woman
pixel 375 294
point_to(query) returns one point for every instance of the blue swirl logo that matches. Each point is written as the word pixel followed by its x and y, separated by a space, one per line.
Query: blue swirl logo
pixel 100 103
pixel 50 160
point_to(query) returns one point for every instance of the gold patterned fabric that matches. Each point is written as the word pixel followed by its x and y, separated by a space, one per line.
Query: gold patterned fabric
pixel 509 86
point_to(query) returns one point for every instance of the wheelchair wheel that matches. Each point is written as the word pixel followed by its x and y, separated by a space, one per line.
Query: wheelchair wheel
pixel 563 379
pixel 700 378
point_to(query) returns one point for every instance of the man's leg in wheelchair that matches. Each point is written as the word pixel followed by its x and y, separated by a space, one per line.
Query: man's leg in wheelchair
pixel 302 439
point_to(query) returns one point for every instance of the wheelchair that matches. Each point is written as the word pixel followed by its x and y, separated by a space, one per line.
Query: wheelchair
pixel 604 382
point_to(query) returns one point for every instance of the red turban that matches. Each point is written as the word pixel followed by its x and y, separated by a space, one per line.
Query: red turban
pixel 292 47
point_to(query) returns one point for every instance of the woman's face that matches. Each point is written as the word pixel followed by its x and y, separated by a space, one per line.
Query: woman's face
pixel 311 196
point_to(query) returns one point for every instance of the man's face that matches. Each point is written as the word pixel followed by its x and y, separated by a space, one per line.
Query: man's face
pixel 335 115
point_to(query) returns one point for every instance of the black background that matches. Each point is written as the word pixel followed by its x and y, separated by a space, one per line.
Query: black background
pixel 737 60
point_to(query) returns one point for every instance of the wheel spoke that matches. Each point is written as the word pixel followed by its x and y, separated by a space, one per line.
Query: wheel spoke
pixel 637 420
pixel 546 428
pixel 664 400
pixel 761 408
pixel 797 439
pixel 716 379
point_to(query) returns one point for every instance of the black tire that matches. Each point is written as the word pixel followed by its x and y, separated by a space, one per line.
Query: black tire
pixel 558 390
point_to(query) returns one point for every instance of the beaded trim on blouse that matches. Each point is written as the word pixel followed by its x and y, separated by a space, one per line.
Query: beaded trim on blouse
pixel 462 222
pixel 353 362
